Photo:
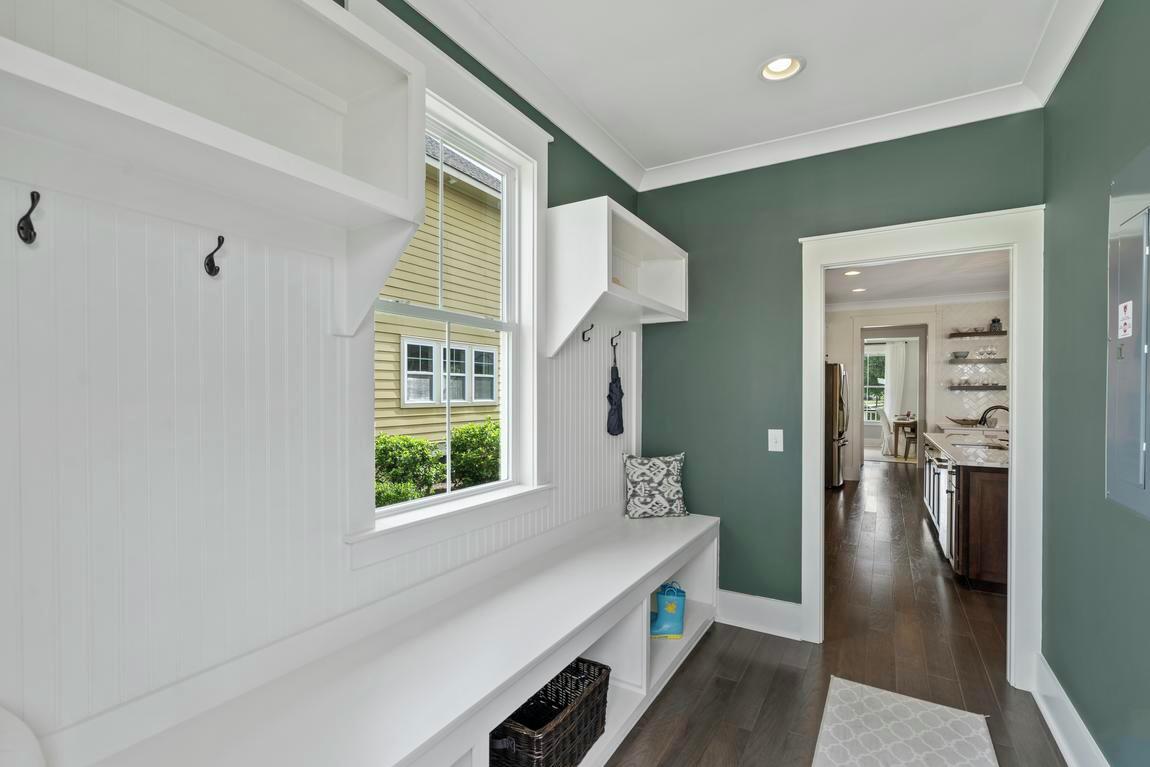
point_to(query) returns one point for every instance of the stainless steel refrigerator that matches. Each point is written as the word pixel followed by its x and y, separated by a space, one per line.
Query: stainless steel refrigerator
pixel 837 417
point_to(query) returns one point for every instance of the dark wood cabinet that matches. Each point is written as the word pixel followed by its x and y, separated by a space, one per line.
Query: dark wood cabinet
pixel 980 527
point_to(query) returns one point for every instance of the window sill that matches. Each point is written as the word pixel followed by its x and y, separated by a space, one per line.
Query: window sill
pixel 401 533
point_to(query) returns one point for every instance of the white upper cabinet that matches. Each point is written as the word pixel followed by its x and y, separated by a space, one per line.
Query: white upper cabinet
pixel 293 105
pixel 601 254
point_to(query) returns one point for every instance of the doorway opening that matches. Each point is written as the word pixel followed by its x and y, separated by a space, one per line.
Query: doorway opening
pixel 967 356
pixel 893 389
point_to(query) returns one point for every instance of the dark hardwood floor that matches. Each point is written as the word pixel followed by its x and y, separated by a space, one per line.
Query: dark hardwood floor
pixel 896 619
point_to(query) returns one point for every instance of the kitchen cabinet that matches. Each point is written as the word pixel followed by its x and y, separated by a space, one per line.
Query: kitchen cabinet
pixel 981 504
pixel 965 492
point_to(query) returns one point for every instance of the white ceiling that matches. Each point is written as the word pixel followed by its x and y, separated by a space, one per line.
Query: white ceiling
pixel 666 91
pixel 923 281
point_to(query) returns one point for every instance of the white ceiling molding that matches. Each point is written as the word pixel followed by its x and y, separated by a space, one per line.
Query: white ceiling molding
pixel 945 114
pixel 1065 29
pixel 459 19
pixel 463 24
pixel 905 303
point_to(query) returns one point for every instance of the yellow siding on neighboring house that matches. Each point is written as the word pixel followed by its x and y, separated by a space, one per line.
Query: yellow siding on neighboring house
pixel 472 233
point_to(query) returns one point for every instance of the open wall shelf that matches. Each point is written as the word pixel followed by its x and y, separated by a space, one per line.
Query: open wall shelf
pixel 219 96
pixel 991 387
pixel 603 255
pixel 980 334
pixel 987 361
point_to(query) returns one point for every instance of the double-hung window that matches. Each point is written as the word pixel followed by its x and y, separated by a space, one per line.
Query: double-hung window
pixel 445 323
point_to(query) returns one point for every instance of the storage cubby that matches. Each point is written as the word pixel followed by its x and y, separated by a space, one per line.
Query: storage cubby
pixel 698 578
pixel 602 254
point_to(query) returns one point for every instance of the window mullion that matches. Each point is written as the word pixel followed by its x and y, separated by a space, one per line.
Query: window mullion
pixel 446 359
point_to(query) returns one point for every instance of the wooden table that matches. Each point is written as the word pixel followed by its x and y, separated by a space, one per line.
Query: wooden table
pixel 910 425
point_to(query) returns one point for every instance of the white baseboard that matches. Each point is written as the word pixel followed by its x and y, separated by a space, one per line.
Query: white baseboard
pixel 770 616
pixel 1074 740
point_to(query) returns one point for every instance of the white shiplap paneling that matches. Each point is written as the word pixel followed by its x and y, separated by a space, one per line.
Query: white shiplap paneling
pixel 173 456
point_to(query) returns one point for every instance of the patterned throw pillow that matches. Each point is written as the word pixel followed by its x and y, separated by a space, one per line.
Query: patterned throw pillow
pixel 655 486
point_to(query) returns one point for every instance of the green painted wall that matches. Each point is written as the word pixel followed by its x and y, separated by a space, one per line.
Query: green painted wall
pixel 573 174
pixel 713 385
pixel 1096 593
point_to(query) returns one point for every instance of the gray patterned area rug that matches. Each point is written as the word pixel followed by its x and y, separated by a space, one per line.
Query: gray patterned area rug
pixel 868 727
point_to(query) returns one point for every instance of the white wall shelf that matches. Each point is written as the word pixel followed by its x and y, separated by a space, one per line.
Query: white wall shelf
pixel 220 96
pixel 601 254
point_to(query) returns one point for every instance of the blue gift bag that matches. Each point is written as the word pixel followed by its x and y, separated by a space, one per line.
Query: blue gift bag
pixel 670 609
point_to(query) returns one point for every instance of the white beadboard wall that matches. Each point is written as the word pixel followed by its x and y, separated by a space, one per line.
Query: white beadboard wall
pixel 171 454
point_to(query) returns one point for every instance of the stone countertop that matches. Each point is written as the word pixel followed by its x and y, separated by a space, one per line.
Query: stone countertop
pixel 972 450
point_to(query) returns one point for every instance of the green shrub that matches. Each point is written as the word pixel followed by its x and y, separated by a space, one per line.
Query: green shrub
pixel 387 493
pixel 400 459
pixel 474 454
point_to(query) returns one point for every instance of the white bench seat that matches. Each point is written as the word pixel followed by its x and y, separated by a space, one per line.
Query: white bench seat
pixel 388 699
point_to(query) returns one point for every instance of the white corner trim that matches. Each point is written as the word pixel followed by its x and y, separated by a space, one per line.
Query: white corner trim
pixel 770 616
pixel 1077 745
pixel 1065 28
pixel 910 303
pixel 467 27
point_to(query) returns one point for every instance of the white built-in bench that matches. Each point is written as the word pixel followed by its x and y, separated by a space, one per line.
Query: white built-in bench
pixel 429 691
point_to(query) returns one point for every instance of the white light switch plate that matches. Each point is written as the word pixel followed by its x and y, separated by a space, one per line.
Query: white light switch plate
pixel 775 440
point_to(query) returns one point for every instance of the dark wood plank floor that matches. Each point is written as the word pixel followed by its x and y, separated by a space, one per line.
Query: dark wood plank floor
pixel 896 619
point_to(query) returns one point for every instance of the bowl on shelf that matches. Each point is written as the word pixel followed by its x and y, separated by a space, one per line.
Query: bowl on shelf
pixel 959 355
pixel 964 421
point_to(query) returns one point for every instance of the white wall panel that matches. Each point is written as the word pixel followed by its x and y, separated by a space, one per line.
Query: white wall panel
pixel 173 456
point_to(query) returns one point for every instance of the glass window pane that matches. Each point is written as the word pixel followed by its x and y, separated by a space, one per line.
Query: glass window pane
pixel 420 358
pixel 472 236
pixel 415 279
pixel 484 362
pixel 484 388
pixel 477 426
pixel 410 421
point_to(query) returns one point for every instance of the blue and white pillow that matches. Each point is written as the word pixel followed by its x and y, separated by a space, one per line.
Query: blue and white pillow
pixel 655 486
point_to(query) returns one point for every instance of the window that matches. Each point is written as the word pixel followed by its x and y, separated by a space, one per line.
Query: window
pixel 874 382
pixel 470 372
pixel 483 375
pixel 443 333
pixel 419 385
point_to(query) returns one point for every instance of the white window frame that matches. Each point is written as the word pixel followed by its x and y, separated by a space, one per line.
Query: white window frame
pixel 494 375
pixel 404 343
pixel 517 366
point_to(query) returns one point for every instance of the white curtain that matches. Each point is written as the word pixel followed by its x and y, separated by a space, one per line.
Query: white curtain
pixel 893 390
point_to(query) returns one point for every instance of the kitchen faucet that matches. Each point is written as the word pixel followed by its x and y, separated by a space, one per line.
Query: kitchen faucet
pixel 988 411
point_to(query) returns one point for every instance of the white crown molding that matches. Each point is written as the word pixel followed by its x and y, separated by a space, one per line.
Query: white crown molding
pixel 459 20
pixel 1064 30
pixel 903 303
pixel 999 102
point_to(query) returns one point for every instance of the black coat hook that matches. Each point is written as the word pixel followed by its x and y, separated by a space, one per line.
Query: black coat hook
pixel 614 357
pixel 614 343
pixel 588 330
pixel 210 262
pixel 24 227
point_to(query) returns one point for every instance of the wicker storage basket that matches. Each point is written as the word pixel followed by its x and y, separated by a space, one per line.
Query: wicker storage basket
pixel 559 724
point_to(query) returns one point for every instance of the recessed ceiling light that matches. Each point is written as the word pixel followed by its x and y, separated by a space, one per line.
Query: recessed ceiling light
pixel 851 274
pixel 782 67
pixel 859 290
